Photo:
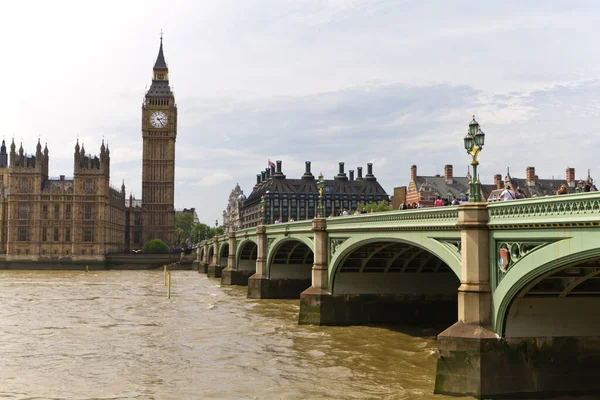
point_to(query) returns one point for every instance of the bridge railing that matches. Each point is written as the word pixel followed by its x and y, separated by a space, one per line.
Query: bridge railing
pixel 581 209
pixel 423 218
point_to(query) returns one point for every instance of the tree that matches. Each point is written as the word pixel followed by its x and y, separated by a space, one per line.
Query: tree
pixel 200 232
pixel 183 225
pixel 155 246
pixel 383 205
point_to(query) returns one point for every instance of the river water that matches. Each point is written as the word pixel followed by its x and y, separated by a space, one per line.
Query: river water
pixel 115 335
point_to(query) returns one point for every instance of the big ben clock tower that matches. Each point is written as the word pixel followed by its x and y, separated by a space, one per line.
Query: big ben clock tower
pixel 159 131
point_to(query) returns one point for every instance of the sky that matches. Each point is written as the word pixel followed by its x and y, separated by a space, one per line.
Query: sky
pixel 394 83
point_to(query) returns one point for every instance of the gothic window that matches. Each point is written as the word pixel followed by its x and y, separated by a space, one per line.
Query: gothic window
pixel 23 234
pixel 67 236
pixel 88 211
pixel 25 184
pixel 294 208
pixel 88 234
pixel 284 208
pixel 44 235
pixel 55 238
pixel 45 211
pixel 24 211
pixel 56 211
pixel 311 207
pixel 68 211
pixel 88 186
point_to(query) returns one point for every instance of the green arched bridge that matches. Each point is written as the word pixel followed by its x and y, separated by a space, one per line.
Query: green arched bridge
pixel 518 284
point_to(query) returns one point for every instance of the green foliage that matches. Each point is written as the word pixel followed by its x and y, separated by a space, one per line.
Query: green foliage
pixel 383 205
pixel 200 232
pixel 155 246
pixel 184 222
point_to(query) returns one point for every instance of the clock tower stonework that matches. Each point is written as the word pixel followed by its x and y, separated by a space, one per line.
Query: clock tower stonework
pixel 159 132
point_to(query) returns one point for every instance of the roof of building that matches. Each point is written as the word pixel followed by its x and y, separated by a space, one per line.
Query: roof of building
pixel 159 89
pixel 160 64
pixel 537 188
pixel 308 186
pixel 459 186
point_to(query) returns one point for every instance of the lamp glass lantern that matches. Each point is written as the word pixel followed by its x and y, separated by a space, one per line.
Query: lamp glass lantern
pixel 468 142
pixel 479 139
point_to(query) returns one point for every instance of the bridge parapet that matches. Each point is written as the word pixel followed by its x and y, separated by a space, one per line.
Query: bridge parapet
pixel 439 218
pixel 571 210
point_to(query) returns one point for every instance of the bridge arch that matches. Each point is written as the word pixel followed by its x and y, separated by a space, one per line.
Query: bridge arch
pixel 210 253
pixel 435 247
pixel 223 254
pixel 200 251
pixel 554 291
pixel 246 255
pixel 387 279
pixel 289 267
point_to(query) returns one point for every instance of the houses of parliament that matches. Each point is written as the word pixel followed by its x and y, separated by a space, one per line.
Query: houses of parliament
pixel 85 217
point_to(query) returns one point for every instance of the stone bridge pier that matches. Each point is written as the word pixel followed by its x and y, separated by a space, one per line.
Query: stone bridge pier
pixel 282 273
pixel 376 280
pixel 238 271
pixel 516 283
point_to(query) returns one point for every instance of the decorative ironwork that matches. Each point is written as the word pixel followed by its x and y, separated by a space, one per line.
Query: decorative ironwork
pixel 508 254
pixel 571 210
pixel 335 243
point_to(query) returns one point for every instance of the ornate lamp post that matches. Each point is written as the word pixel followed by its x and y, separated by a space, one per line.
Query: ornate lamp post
pixel 320 186
pixel 262 209
pixel 474 141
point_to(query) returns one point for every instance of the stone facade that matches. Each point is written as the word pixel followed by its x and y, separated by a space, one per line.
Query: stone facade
pixel 297 199
pixel 84 217
pixel 44 218
pixel 159 132
pixel 231 215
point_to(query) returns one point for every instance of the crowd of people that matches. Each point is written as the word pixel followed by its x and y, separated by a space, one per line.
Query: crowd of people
pixel 507 194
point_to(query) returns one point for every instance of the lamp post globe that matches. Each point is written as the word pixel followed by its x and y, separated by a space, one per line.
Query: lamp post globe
pixel 474 141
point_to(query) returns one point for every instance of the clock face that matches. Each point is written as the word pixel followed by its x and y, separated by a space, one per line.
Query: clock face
pixel 158 119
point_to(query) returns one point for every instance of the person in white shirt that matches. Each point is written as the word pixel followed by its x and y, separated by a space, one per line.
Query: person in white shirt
pixel 345 213
pixel 507 194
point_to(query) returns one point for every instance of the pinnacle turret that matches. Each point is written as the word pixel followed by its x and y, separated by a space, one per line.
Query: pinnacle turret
pixel 160 64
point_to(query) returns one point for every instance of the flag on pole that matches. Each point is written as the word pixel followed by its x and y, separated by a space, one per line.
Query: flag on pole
pixel 271 164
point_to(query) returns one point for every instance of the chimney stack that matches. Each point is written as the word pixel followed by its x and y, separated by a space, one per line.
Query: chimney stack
pixel 263 176
pixel 530 176
pixel 498 181
pixel 448 174
pixel 571 177
pixel 268 172
pixel 307 173
pixel 278 174
pixel 370 176
pixel 271 170
pixel 351 174
pixel 359 172
pixel 257 179
pixel 341 174
pixel 413 173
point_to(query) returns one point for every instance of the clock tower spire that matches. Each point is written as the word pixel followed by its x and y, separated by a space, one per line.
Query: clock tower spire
pixel 159 132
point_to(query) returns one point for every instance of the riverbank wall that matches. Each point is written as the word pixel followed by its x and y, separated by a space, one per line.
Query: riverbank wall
pixel 111 261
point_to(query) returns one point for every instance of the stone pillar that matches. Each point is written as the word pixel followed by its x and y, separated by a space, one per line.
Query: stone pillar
pixel 204 262
pixel 258 284
pixel 314 304
pixel 197 262
pixel 229 274
pixel 214 269
pixel 463 363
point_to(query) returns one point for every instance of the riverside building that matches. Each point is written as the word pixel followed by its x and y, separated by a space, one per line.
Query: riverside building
pixel 84 217
pixel 286 199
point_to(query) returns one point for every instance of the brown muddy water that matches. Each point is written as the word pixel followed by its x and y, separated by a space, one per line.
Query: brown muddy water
pixel 115 335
